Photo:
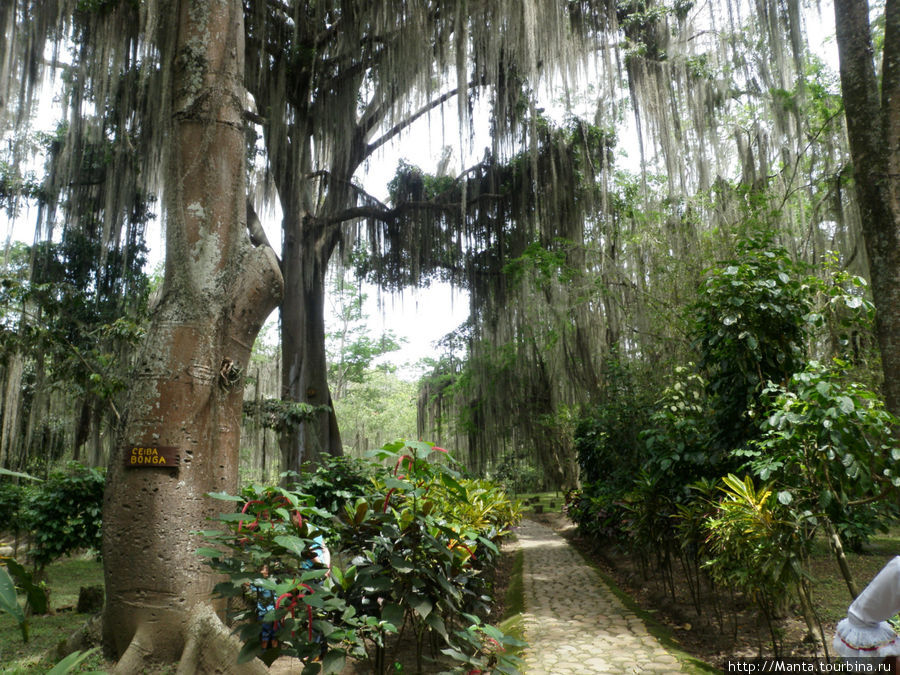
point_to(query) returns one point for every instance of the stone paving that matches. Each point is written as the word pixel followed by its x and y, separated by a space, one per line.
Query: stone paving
pixel 574 624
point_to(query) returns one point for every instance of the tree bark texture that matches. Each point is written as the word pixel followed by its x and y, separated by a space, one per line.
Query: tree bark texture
pixel 307 249
pixel 187 388
pixel 873 127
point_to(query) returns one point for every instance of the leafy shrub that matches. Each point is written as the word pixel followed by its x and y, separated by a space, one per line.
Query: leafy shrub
pixel 64 513
pixel 829 443
pixel 517 474
pixel 607 441
pixel 12 503
pixel 338 480
pixel 600 511
pixel 272 529
pixel 641 458
pixel 9 602
pixel 758 546
pixel 419 549
pixel 677 438
pixel 409 543
pixel 750 325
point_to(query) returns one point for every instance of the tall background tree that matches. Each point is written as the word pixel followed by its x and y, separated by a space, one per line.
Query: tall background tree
pixel 737 131
pixel 333 83
pixel 873 127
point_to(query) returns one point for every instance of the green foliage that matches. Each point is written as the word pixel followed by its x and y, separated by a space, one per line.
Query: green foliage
pixel 482 648
pixel 610 452
pixel 70 313
pixel 35 593
pixel 337 481
pixel 599 511
pixel 64 514
pixel 544 262
pixel 644 24
pixel 750 324
pixel 273 530
pixel 280 415
pixel 607 441
pixel 843 317
pixel 72 661
pixel 677 436
pixel 9 602
pixel 419 550
pixel 350 347
pixel 517 473
pixel 647 521
pixel 411 184
pixel 829 444
pixel 76 308
pixel 12 502
pixel 820 442
pixel 757 545
pixel 381 407
pixel 408 545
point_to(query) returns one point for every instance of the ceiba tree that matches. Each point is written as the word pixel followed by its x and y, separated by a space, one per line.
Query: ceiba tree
pixel 187 389
pixel 873 128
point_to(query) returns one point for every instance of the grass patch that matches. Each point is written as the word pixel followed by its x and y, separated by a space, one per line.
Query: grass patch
pixel 541 502
pixel 830 595
pixel 64 577
pixel 515 591
pixel 514 604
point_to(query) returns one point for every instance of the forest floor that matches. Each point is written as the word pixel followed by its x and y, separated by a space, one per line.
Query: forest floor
pixel 731 627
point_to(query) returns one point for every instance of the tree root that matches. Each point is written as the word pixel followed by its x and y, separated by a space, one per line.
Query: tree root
pixel 89 635
pixel 209 647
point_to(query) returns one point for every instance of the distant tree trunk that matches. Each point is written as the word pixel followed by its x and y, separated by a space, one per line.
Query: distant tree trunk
pixel 873 127
pixel 305 254
pixel 188 386
pixel 12 399
pixel 82 426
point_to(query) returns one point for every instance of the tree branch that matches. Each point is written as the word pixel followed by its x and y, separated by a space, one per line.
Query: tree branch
pixel 255 230
pixel 400 126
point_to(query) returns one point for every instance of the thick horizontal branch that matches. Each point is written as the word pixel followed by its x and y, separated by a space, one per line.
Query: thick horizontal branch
pixel 385 215
pixel 388 215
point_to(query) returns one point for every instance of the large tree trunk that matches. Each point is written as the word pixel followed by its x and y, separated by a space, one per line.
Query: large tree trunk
pixel 187 389
pixel 873 127
pixel 306 252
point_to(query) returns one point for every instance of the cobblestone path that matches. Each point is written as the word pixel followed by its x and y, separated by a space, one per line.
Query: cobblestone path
pixel 574 624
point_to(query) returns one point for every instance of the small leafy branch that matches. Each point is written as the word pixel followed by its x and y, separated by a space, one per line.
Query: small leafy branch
pixel 281 415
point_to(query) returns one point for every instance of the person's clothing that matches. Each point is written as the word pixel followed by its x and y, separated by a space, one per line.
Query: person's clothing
pixel 323 555
pixel 265 603
pixel 865 631
pixel 267 631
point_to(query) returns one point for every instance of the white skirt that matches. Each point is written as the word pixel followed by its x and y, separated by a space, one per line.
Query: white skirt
pixel 855 638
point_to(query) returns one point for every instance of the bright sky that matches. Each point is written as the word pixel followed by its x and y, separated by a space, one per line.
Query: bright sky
pixel 420 316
